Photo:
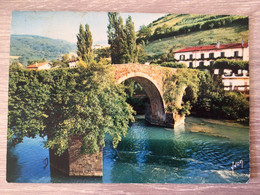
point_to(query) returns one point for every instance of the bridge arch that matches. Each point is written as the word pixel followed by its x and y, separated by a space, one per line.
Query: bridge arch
pixel 156 111
pixel 151 79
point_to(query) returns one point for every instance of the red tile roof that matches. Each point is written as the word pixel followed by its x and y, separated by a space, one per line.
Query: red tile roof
pixel 33 66
pixel 73 60
pixel 213 47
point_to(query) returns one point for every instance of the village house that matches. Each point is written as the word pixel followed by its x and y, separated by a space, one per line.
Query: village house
pixel 72 63
pixel 206 55
pixel 39 66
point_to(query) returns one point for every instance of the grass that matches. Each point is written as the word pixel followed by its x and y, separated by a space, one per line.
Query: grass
pixel 170 20
pixel 232 34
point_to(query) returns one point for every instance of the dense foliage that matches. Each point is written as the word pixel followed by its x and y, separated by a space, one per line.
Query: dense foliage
pixel 144 33
pixel 174 88
pixel 102 53
pixel 122 40
pixel 84 44
pixel 61 103
pixel 131 40
pixel 233 65
pixel 117 38
pixel 203 95
pixel 213 101
pixel 32 47
pixel 173 65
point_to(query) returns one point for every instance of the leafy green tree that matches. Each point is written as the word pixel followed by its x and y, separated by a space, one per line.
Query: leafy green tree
pixel 113 40
pixel 117 38
pixel 144 32
pixel 131 40
pixel 213 101
pixel 29 62
pixel 65 58
pixel 84 43
pixel 210 95
pixel 102 53
pixel 27 103
pixel 235 106
pixel 82 102
pixel 141 55
pixel 122 42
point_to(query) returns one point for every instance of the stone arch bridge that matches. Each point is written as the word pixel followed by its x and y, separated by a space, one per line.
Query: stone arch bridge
pixel 151 79
pixel 73 163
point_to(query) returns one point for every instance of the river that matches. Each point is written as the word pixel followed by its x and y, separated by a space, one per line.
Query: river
pixel 202 151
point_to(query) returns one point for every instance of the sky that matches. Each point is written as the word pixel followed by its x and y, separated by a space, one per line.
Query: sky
pixel 65 25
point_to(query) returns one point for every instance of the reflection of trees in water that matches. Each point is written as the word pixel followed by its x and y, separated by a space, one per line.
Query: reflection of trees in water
pixel 141 158
pixel 13 169
pixel 131 156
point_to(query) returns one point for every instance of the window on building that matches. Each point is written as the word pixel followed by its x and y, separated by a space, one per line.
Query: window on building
pixel 182 57
pixel 222 54
pixel 211 63
pixel 236 53
pixel 201 64
pixel 211 55
pixel 191 56
pixel 202 56
pixel 190 65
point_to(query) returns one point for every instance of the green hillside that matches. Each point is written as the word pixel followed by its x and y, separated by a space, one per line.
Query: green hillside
pixel 232 34
pixel 31 47
pixel 183 30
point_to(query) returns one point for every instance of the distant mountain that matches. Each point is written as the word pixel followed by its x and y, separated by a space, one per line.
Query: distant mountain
pixel 176 31
pixel 31 47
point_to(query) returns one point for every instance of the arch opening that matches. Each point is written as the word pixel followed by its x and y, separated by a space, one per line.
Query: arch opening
pixel 154 109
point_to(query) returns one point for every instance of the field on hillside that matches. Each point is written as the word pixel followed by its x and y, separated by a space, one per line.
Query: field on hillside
pixel 180 20
pixel 232 34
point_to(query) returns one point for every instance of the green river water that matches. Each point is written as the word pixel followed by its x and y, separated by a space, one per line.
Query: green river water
pixel 201 151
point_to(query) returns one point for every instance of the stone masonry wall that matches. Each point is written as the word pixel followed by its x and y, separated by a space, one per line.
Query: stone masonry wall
pixel 155 72
pixel 151 78
pixel 83 164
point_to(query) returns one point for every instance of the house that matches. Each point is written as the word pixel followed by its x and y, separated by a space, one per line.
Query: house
pixel 72 63
pixel 39 66
pixel 206 55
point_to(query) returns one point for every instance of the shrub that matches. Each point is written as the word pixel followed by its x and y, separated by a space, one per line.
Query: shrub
pixel 234 65
pixel 173 65
pixel 235 106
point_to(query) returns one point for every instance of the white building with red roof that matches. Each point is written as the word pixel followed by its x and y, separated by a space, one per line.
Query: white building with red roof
pixel 206 55
pixel 73 63
pixel 39 66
